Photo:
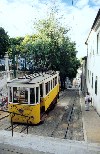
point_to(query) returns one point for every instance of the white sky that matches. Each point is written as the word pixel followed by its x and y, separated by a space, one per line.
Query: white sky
pixel 17 17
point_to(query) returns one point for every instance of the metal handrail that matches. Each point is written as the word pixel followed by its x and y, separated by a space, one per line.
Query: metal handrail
pixel 13 116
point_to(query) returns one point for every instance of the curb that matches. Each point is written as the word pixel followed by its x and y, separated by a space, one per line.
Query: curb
pixel 83 121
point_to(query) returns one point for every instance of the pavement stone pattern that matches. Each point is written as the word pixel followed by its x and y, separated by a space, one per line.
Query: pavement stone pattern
pixel 33 144
pixel 26 144
pixel 91 123
pixel 9 149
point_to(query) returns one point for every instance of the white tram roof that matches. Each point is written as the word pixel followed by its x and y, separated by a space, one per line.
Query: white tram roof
pixel 32 79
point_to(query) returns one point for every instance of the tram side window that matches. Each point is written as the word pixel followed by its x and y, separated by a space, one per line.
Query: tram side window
pixel 46 87
pixel 49 86
pixel 37 89
pixel 22 95
pixel 26 95
pixel 32 96
pixel 41 90
pixel 15 97
pixel 55 81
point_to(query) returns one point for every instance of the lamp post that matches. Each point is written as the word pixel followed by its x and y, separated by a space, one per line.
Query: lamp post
pixel 7 66
pixel 6 62
pixel 13 61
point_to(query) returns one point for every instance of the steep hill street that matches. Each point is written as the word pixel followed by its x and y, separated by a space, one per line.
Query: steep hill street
pixel 62 126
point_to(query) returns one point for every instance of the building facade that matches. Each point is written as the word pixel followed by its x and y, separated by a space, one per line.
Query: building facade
pixel 84 75
pixel 93 63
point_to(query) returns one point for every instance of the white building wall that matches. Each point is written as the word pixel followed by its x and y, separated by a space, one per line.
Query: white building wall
pixel 93 66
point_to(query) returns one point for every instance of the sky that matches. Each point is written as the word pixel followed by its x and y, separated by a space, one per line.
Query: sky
pixel 17 17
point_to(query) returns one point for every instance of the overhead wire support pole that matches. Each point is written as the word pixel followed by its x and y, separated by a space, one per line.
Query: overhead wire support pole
pixel 14 66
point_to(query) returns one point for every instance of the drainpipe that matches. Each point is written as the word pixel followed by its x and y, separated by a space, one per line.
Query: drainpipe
pixel 14 66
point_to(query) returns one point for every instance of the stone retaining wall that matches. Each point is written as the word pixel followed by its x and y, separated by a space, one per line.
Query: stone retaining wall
pixel 8 75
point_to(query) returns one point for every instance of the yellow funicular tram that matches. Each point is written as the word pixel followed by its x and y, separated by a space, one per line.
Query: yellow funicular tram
pixel 31 95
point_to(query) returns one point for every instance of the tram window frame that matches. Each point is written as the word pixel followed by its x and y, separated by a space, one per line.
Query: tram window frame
pixel 46 88
pixel 15 98
pixel 37 95
pixel 22 94
pixel 26 95
pixel 41 90
pixel 51 84
pixel 32 96
pixel 55 80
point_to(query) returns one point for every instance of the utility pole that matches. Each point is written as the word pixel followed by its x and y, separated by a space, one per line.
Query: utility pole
pixel 7 66
pixel 14 63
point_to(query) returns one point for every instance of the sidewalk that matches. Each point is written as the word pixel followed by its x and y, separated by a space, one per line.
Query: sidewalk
pixel 33 144
pixel 91 124
pixel 22 143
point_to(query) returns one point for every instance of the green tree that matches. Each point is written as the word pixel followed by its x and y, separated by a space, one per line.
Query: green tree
pixel 60 51
pixel 15 51
pixel 51 48
pixel 15 46
pixel 4 42
pixel 27 48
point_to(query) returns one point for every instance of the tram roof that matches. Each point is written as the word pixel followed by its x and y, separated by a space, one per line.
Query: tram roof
pixel 32 79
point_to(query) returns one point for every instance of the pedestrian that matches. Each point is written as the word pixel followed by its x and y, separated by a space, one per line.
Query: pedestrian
pixel 80 91
pixel 87 101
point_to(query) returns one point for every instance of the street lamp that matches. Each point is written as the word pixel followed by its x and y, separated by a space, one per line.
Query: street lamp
pixel 7 65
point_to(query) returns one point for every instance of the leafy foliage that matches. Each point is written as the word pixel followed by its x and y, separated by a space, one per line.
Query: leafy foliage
pixel 60 52
pixel 4 42
pixel 15 46
pixel 49 49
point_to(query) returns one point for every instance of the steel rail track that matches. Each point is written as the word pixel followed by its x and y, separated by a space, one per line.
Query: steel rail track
pixel 61 119
pixel 69 119
pixel 10 127
pixel 70 112
pixel 25 127
pixel 70 116
pixel 4 117
pixel 62 96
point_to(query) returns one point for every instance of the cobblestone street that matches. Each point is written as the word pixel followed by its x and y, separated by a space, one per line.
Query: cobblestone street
pixel 59 125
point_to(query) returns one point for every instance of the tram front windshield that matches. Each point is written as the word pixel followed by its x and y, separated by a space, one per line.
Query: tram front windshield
pixel 20 95
pixel 23 95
